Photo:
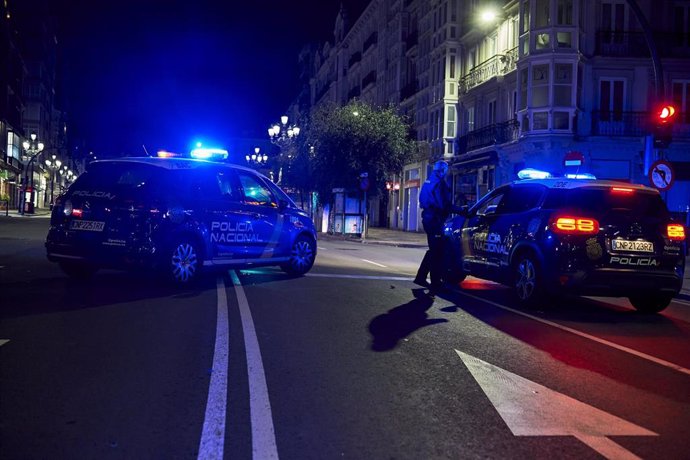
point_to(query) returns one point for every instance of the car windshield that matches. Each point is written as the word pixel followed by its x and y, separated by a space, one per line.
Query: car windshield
pixel 602 200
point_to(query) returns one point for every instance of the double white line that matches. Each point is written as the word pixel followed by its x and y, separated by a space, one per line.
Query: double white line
pixel 213 432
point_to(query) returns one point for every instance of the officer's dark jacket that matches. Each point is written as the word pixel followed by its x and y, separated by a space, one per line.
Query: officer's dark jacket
pixel 435 199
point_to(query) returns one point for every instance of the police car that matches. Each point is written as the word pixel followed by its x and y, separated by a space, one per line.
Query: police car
pixel 583 236
pixel 178 216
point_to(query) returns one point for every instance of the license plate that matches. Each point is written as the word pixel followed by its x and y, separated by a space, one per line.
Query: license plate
pixel 632 246
pixel 87 225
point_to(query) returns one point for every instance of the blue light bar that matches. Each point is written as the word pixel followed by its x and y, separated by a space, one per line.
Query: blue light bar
pixel 530 173
pixel 581 176
pixel 209 153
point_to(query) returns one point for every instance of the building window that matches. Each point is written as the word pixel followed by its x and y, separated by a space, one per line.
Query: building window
pixel 540 85
pixel 524 17
pixel 611 97
pixel 563 85
pixel 523 88
pixel 542 17
pixel 540 120
pixel 452 66
pixel 613 20
pixel 681 25
pixel 450 121
pixel 491 113
pixel 561 120
pixel 564 12
pixel 470 119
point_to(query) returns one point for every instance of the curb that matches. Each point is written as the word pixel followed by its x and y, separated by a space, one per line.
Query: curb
pixel 399 244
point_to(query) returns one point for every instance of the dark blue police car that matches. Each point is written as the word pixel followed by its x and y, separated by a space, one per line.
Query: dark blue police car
pixel 178 216
pixel 580 236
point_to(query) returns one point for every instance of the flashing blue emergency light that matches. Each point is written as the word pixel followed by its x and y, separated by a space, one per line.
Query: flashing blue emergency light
pixel 204 153
pixel 581 176
pixel 531 173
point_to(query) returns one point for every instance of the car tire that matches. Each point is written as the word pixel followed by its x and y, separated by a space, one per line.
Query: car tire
pixel 184 262
pixel 528 281
pixel 302 255
pixel 650 303
pixel 78 270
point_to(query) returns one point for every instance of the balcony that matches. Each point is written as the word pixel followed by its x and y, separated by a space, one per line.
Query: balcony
pixel 495 134
pixel 633 44
pixel 369 79
pixel 499 64
pixel 408 90
pixel 354 59
pixel 369 42
pixel 623 124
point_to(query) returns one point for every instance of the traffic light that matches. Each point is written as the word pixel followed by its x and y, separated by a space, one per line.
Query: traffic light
pixel 663 121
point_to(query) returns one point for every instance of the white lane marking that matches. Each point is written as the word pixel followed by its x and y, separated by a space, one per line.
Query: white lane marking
pixel 321 248
pixel 263 435
pixel 639 354
pixel 360 277
pixel 531 409
pixel 213 432
pixel 3 341
pixel 375 263
pixel 684 302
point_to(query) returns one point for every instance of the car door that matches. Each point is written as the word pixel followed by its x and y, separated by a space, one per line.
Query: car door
pixel 220 208
pixel 476 231
pixel 509 225
pixel 263 222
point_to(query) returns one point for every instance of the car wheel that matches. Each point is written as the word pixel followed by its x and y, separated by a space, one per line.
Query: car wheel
pixel 528 281
pixel 78 270
pixel 650 303
pixel 302 255
pixel 184 263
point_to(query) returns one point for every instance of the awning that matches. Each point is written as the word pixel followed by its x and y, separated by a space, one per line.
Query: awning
pixel 475 160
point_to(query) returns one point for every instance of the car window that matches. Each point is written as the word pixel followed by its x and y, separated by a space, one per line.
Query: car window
pixel 601 200
pixel 117 175
pixel 254 191
pixel 521 198
pixel 489 204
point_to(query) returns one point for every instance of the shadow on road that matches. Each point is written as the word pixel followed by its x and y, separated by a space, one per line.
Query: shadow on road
pixel 388 329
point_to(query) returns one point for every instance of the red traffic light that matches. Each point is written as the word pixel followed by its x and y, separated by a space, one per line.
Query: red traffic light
pixel 666 114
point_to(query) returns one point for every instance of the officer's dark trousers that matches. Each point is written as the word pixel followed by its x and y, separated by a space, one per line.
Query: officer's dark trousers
pixel 434 256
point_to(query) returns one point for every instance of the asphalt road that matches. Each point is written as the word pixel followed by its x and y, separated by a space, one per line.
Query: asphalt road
pixel 350 361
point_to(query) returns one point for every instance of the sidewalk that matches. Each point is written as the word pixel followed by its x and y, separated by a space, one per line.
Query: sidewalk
pixel 38 212
pixel 388 237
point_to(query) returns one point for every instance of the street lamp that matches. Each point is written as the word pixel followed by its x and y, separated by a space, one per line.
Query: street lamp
pixel 282 131
pixel 33 149
pixel 256 157
pixel 54 167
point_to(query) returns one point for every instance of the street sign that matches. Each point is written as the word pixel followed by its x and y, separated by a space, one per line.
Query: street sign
pixel 573 158
pixel 662 175
pixel 364 182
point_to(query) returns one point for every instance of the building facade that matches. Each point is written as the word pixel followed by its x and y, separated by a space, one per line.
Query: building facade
pixel 530 85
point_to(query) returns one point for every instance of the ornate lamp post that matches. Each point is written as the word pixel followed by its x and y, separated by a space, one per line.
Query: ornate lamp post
pixel 257 158
pixel 33 149
pixel 54 166
pixel 283 135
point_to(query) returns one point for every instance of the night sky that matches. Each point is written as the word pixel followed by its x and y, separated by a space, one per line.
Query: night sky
pixel 168 73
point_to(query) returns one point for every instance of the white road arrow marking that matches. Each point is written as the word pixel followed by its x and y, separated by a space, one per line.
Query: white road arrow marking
pixel 3 342
pixel 530 409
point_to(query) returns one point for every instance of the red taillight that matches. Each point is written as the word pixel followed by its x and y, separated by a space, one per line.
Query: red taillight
pixel 621 190
pixel 675 232
pixel 77 213
pixel 575 225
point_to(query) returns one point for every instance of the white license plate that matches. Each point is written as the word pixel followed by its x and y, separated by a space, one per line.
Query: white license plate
pixel 632 246
pixel 88 225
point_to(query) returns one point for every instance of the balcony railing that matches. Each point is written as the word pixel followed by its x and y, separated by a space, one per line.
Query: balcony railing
pixel 633 44
pixel 495 134
pixel 499 64
pixel 613 123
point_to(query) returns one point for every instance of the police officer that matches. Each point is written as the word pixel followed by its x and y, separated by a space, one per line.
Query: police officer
pixel 435 199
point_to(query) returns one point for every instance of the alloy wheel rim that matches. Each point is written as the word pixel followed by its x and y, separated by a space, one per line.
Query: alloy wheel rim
pixel 302 255
pixel 184 262
pixel 526 279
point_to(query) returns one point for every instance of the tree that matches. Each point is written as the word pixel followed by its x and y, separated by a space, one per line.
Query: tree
pixel 354 139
